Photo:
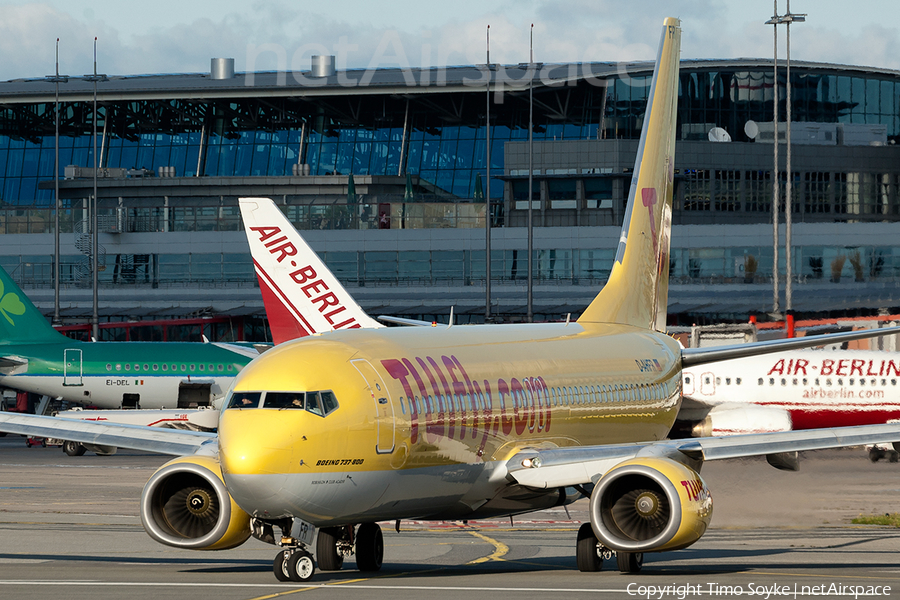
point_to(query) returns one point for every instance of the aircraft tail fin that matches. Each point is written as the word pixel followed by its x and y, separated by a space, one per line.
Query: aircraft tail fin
pixel 637 290
pixel 301 295
pixel 20 321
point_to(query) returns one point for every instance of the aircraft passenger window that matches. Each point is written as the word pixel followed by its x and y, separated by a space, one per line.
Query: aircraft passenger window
pixel 212 368
pixel 220 367
pixel 109 366
pixel 771 381
pixel 402 406
pixel 127 366
pixel 852 381
pixel 193 366
pixel 828 381
pixel 861 381
pixel 718 381
pixel 687 380
pixel 873 382
pixel 329 401
pixel 817 381
pixel 794 381
pixel 783 381
pixel 284 400
pixel 804 381
pixel 313 404
pixel 244 400
pixel 728 381
pixel 165 366
pixel 202 367
pixel 155 367
pixel 883 381
pixel 761 379
pixel 893 381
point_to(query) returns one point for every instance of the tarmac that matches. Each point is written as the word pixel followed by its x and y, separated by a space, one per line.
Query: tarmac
pixel 70 529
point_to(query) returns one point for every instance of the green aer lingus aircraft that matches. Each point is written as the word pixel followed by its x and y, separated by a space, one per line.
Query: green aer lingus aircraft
pixel 36 358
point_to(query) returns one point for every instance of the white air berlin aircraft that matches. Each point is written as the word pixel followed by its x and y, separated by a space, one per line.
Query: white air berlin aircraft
pixel 326 436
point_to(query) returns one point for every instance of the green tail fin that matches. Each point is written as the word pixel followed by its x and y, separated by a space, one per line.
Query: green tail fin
pixel 20 320
pixel 638 287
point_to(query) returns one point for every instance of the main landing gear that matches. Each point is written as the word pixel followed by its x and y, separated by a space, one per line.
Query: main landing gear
pixel 590 553
pixel 333 544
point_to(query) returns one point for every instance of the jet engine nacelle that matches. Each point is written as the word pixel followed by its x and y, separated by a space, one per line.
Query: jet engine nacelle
pixel 185 504
pixel 727 419
pixel 649 505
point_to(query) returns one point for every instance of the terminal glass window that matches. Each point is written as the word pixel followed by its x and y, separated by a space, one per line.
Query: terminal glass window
pixel 696 189
pixel 728 190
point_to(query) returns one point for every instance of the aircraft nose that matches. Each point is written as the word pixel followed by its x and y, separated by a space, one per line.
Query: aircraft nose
pixel 256 448
pixel 255 442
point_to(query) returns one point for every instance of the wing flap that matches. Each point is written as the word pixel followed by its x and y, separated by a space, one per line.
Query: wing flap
pixel 151 439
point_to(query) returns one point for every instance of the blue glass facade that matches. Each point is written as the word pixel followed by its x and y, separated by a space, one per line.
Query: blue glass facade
pixel 438 136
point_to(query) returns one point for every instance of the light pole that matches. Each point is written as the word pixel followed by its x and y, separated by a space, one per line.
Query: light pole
pixel 487 195
pixel 57 79
pixel 776 20
pixel 95 233
pixel 530 292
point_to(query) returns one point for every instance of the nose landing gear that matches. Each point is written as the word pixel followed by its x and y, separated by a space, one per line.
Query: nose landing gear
pixel 293 565
pixel 333 544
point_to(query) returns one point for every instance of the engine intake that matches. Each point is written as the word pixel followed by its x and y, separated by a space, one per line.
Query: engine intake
pixel 185 504
pixel 647 505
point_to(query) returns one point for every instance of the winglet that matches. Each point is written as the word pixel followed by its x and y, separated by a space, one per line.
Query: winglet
pixel 300 294
pixel 637 290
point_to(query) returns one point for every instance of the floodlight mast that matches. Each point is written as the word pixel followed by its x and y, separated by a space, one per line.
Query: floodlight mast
pixel 56 79
pixel 776 20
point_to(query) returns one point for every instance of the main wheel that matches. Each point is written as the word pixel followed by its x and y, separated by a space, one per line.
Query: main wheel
pixel 587 551
pixel 369 547
pixel 327 555
pixel 73 448
pixel 300 566
pixel 630 562
pixel 279 567
pixel 893 456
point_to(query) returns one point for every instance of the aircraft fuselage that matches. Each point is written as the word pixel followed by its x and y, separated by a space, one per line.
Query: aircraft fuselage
pixel 428 417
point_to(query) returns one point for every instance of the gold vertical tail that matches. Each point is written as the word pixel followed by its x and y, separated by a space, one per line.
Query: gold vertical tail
pixel 637 290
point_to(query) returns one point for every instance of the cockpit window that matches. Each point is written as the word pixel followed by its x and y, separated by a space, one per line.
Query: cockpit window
pixel 329 402
pixel 284 400
pixel 313 404
pixel 244 400
pixel 318 403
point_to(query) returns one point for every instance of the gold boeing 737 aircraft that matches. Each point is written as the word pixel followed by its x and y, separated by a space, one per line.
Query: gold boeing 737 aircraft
pixel 323 437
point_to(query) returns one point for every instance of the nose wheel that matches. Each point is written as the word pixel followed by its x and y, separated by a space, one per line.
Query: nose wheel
pixel 296 565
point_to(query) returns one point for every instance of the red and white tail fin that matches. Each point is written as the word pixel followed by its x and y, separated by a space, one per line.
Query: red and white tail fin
pixel 637 290
pixel 300 294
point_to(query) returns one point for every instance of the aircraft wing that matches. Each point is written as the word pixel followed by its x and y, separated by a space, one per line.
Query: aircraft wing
pixel 702 356
pixel 175 442
pixel 561 467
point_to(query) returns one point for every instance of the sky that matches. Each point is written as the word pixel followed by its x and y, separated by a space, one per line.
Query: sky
pixel 168 36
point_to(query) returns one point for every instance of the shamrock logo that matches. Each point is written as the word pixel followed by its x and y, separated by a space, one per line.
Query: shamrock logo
pixel 10 303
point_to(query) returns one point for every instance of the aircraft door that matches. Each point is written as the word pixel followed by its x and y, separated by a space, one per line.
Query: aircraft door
pixel 72 367
pixel 384 407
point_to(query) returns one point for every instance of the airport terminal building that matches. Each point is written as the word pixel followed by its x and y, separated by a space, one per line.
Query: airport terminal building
pixel 385 172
